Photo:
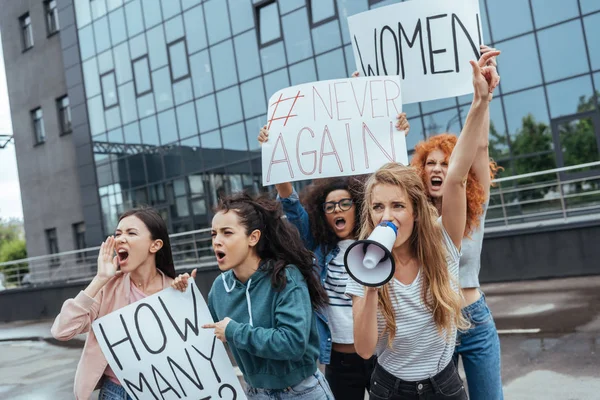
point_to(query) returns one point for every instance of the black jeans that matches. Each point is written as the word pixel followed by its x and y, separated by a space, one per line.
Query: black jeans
pixel 445 385
pixel 348 375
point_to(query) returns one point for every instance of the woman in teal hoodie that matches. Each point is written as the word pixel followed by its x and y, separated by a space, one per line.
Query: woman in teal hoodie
pixel 263 302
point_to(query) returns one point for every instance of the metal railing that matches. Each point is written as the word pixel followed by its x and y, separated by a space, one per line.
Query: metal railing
pixel 190 250
pixel 545 197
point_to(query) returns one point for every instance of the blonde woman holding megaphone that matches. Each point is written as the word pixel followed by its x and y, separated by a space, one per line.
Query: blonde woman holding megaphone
pixel 411 322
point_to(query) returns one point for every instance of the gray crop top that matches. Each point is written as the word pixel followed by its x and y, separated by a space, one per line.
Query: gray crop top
pixel 470 260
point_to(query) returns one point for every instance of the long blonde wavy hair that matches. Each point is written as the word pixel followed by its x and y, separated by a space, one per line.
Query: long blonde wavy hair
pixel 426 243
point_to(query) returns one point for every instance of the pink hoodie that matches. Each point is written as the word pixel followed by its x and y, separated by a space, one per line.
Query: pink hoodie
pixel 76 317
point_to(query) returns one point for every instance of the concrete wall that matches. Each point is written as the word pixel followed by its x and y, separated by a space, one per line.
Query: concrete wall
pixel 47 172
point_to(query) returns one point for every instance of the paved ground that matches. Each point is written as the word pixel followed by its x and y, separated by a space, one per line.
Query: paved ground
pixel 550 335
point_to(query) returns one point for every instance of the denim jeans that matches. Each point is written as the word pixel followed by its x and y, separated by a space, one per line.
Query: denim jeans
pixel 348 375
pixel 112 391
pixel 479 348
pixel 314 387
pixel 445 385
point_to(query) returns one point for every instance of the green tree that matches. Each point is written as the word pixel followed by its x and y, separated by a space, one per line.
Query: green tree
pixel 533 137
pixel 11 251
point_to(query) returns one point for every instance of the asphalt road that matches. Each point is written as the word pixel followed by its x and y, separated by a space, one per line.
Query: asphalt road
pixel 549 332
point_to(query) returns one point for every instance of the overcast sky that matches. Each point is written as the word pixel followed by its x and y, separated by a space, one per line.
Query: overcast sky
pixel 10 193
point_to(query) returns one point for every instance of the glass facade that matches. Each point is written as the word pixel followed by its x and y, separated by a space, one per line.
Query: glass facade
pixel 177 89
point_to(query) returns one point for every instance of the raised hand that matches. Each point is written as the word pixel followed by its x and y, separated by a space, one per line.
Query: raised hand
pixel 263 135
pixel 355 74
pixel 402 123
pixel 492 64
pixel 482 76
pixel 181 282
pixel 107 260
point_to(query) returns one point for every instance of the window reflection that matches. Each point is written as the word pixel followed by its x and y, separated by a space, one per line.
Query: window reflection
pixel 253 126
pixel 322 10
pixel 272 57
pixel 269 26
pixel 122 63
pixel 223 62
pixel 146 104
pixel 217 20
pixel 234 138
pixel 441 122
pixel 297 36
pixel 350 61
pixel 331 65
pixel 149 130
pixel 253 98
pixel 194 29
pixel 141 73
pixel 570 96
pixel 440 104
pixel 201 73
pixel 118 32
pixel 592 32
pixel 589 6
pixel 207 113
pixel 326 37
pixel 157 48
pixel 178 61
pixel 137 46
pixel 131 133
pixel 548 12
pixel 246 50
pixel 101 34
pixel 229 105
pixel 561 43
pixel 241 14
pixel 152 13
pixel 529 105
pixel 174 29
pixel 162 87
pixel 303 72
pixel 133 13
pixel 275 81
pixel 186 120
pixel 167 127
pixel 524 51
pixel 289 5
pixel 105 62
pixel 416 133
pixel 170 8
pixel 96 115
pixel 87 46
pixel 347 8
pixel 182 91
pixel 515 11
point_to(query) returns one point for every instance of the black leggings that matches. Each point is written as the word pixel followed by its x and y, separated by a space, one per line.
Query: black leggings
pixel 349 375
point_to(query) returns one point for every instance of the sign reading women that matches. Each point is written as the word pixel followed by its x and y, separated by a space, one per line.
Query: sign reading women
pixel 333 128
pixel 158 350
pixel 427 43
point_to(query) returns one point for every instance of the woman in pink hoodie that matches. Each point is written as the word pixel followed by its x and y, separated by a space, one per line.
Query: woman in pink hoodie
pixel 143 266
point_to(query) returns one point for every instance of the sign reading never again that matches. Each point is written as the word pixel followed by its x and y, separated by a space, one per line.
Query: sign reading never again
pixel 158 350
pixel 427 43
pixel 333 128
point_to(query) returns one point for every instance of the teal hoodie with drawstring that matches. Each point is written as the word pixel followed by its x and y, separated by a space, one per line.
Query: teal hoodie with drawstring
pixel 272 335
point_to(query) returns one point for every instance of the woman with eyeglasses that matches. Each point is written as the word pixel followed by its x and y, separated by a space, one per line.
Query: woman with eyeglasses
pixel 328 221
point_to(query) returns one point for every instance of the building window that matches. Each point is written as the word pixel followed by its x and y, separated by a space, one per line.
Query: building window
pixel 322 11
pixel 178 60
pixel 52 241
pixel 269 26
pixel 79 239
pixel 110 97
pixel 141 76
pixel 51 16
pixel 64 115
pixel 26 31
pixel 38 126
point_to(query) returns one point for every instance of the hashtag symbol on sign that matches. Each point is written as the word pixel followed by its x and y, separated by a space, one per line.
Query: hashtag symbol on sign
pixel 289 114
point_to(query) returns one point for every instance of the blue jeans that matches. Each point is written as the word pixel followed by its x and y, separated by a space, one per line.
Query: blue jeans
pixel 315 387
pixel 112 391
pixel 479 348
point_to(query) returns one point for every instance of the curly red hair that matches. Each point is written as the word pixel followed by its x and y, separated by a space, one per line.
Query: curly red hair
pixel 475 193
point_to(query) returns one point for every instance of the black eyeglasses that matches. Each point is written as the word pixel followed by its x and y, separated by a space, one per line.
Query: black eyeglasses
pixel 345 205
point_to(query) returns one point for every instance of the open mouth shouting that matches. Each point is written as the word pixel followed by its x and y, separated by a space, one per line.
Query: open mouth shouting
pixel 436 182
pixel 123 255
pixel 340 223
pixel 220 256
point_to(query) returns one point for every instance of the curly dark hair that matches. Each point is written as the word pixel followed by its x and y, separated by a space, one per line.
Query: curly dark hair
pixel 279 241
pixel 314 196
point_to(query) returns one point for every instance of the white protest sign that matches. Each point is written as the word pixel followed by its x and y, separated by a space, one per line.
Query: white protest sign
pixel 158 350
pixel 428 43
pixel 333 128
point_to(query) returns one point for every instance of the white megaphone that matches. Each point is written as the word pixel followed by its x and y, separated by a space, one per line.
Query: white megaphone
pixel 370 261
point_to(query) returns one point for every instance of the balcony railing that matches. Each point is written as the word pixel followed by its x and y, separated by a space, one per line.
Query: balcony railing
pixel 548 197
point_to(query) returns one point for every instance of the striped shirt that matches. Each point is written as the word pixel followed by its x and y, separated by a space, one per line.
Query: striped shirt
pixel 339 312
pixel 418 350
